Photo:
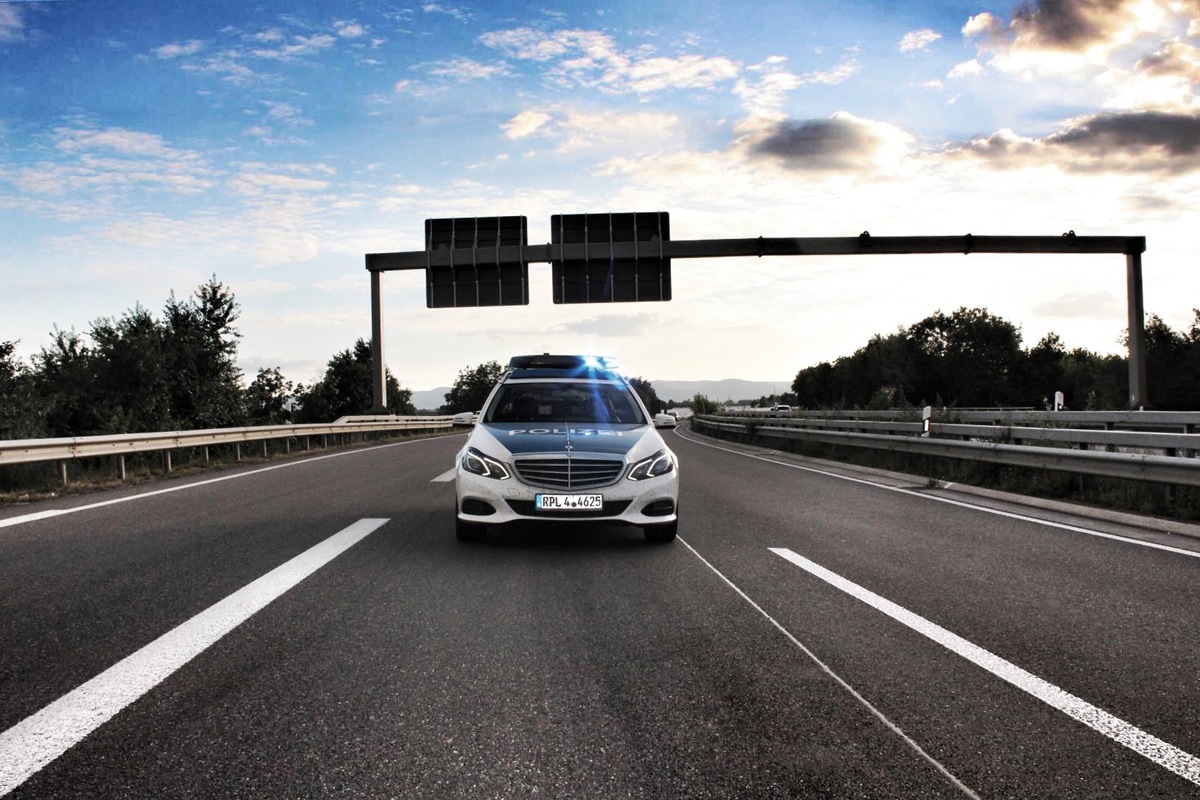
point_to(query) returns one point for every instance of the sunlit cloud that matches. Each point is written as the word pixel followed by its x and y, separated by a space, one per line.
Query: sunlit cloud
pixel 914 41
pixel 464 69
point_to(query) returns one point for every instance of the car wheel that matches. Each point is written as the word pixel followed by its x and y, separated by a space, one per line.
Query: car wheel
pixel 469 531
pixel 661 533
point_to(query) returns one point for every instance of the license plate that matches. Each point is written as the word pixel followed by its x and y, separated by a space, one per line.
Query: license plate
pixel 569 502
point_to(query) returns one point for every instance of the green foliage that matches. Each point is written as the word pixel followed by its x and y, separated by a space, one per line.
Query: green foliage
pixel 649 396
pixel 268 398
pixel 702 405
pixel 347 389
pixel 472 387
pixel 21 410
pixel 136 373
pixel 972 358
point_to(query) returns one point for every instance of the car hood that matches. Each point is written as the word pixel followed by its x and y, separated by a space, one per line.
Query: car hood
pixel 524 438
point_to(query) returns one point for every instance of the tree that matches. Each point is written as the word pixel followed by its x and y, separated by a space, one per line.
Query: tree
pixel 200 351
pixel 702 405
pixel 65 380
pixel 20 407
pixel 967 358
pixel 472 387
pixel 268 398
pixel 348 388
pixel 649 396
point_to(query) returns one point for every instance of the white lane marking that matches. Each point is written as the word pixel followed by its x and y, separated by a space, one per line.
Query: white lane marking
pixel 445 477
pixel 1165 755
pixel 42 737
pixel 952 502
pixel 966 790
pixel 58 512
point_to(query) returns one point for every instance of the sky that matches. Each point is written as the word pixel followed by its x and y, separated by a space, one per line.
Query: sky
pixel 147 146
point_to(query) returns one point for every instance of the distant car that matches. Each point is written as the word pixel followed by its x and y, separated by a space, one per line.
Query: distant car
pixel 781 411
pixel 665 421
pixel 565 438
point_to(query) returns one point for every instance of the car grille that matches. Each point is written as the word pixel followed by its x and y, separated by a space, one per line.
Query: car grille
pixel 569 473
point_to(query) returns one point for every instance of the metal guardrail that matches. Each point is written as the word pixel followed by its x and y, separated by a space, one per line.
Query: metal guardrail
pixel 63 450
pixel 1155 446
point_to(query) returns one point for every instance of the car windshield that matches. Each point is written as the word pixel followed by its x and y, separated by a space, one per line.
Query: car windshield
pixel 568 401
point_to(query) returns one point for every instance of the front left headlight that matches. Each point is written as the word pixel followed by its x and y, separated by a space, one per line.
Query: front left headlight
pixel 661 463
pixel 480 464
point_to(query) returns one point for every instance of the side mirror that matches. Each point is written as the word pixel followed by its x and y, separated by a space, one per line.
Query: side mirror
pixel 465 419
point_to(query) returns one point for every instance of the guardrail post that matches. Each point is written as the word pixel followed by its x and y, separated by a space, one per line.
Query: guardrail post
pixel 166 460
pixel 121 467
pixel 237 451
pixel 264 444
pixel 206 455
pixel 287 447
pixel 62 472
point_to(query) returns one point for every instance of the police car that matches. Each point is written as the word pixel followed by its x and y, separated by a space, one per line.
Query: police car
pixel 565 438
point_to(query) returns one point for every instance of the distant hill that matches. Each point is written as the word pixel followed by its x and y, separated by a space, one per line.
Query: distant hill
pixel 430 400
pixel 727 390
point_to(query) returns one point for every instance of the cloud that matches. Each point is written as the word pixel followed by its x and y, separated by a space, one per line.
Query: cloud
pixel 349 30
pixel 12 25
pixel 842 142
pixel 1071 36
pixel 965 69
pixel 1081 305
pixel 1133 142
pixel 464 69
pixel 914 41
pixel 592 59
pixel 525 124
pixel 460 14
pixel 179 49
pixel 300 47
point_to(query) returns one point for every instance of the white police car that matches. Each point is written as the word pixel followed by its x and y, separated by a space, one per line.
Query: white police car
pixel 565 438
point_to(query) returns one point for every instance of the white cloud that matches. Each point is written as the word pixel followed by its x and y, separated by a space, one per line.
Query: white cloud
pixel 464 69
pixel 525 124
pixel 914 41
pixel 179 49
pixel 349 30
pixel 12 25
pixel 966 69
pixel 592 59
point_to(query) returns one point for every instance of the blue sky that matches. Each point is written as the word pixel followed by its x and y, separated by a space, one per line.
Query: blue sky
pixel 146 145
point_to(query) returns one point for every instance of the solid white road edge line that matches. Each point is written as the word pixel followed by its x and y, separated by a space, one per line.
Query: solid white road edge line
pixel 950 501
pixel 966 790
pixel 42 737
pixel 1165 755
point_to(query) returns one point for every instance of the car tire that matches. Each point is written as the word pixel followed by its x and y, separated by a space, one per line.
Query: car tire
pixel 662 533
pixel 469 531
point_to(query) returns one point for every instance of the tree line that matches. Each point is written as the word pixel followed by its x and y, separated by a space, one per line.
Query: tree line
pixel 473 385
pixel 972 358
pixel 140 373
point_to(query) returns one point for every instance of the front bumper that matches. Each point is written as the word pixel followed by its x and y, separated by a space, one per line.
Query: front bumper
pixel 489 501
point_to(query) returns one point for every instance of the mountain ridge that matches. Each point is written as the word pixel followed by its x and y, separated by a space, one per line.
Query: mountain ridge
pixel 721 391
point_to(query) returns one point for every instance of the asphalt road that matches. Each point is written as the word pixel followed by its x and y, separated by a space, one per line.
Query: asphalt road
pixel 313 629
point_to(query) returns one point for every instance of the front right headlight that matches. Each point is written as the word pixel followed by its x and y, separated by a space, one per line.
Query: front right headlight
pixel 658 464
pixel 477 463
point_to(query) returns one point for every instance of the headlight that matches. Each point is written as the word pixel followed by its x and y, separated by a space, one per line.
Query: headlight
pixel 660 463
pixel 476 462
